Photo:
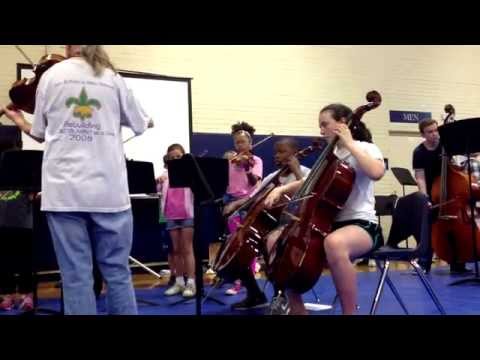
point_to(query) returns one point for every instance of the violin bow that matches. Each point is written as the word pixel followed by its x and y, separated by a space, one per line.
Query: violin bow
pixel 25 55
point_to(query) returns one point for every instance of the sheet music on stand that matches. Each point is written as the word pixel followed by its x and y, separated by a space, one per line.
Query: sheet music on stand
pixel 141 177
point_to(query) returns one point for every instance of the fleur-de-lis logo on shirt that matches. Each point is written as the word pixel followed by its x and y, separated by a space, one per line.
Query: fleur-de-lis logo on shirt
pixel 83 105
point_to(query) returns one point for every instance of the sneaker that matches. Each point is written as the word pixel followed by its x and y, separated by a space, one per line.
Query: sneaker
pixel 26 304
pixel 165 272
pixel 7 303
pixel 189 291
pixel 251 302
pixel 210 272
pixel 174 290
pixel 362 262
pixel 235 289
pixel 279 306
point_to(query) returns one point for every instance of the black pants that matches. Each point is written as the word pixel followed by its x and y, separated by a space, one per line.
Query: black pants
pixel 250 283
pixel 16 258
pixel 425 259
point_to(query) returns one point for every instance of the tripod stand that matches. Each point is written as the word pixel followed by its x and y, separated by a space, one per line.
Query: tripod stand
pixel 460 138
pixel 208 180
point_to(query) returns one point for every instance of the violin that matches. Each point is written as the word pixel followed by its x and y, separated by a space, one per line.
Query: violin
pixel 246 157
pixel 22 92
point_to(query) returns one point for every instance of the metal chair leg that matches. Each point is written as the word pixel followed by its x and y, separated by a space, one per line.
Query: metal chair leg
pixel 334 303
pixel 380 286
pixel 215 286
pixel 394 290
pixel 317 299
pixel 428 287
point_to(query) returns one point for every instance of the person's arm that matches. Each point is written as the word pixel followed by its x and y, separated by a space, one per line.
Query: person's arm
pixel 420 179
pixel 19 120
pixel 255 172
pixel 372 167
pixel 230 208
pixel 252 179
pixel 294 166
pixel 132 114
pixel 276 194
pixel 418 165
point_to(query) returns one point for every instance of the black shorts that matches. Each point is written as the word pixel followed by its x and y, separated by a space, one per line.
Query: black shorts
pixel 373 229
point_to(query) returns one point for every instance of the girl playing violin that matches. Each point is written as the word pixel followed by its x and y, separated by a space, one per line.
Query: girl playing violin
pixel 245 174
pixel 245 170
pixel 356 230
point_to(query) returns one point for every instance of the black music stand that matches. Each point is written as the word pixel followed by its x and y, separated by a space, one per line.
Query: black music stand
pixel 208 179
pixel 10 137
pixel 141 177
pixel 404 177
pixel 141 180
pixel 21 170
pixel 461 138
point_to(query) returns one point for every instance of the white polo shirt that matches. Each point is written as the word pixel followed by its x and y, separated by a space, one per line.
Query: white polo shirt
pixel 80 115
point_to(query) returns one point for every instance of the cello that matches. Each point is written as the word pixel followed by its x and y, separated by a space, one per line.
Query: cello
pixel 452 230
pixel 297 258
pixel 244 245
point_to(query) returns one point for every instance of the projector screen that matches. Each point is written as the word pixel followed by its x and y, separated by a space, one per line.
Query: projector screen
pixel 165 99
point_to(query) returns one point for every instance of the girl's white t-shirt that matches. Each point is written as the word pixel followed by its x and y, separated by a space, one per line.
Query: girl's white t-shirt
pixel 361 202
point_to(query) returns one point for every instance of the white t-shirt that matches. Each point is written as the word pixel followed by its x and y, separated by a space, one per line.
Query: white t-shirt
pixel 283 180
pixel 80 116
pixel 361 202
